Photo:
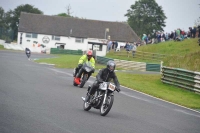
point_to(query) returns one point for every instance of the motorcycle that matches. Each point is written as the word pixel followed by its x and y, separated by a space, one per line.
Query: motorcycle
pixel 87 71
pixel 102 99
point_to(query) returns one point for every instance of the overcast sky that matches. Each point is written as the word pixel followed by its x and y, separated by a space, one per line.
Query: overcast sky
pixel 180 13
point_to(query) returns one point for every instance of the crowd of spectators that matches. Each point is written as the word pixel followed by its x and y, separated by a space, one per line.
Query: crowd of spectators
pixel 176 35
pixel 156 37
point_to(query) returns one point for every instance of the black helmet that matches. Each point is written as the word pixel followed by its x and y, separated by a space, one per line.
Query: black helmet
pixel 111 65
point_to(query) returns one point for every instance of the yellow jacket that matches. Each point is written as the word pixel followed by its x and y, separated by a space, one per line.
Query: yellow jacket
pixel 84 59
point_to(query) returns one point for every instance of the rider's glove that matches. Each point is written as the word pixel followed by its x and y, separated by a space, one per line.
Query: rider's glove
pixel 118 89
pixel 79 66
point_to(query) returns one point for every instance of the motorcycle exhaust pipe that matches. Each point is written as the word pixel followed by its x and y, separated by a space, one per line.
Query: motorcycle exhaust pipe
pixel 83 98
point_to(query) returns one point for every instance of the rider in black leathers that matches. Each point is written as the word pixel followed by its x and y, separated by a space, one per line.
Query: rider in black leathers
pixel 106 75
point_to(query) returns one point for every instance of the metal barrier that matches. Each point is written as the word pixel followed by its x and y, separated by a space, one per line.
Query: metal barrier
pixel 153 67
pixel 64 51
pixel 102 60
pixel 182 78
pixel 131 65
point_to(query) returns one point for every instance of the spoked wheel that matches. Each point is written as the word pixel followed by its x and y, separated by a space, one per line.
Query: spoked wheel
pixel 105 108
pixel 86 105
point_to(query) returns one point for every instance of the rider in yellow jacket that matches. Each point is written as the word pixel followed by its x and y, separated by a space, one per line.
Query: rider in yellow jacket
pixel 85 58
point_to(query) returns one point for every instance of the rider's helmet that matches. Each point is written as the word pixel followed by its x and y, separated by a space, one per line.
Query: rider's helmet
pixel 89 54
pixel 111 65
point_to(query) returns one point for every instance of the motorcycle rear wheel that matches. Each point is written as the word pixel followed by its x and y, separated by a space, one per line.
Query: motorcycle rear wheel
pixel 105 108
pixel 74 83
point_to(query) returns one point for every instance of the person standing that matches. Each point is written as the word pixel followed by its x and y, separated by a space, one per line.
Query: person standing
pixel 134 49
pixel 109 46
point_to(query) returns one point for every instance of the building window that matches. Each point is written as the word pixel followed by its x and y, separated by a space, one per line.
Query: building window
pixel 34 35
pixel 79 40
pixel 28 35
pixel 31 35
pixel 56 38
pixel 97 47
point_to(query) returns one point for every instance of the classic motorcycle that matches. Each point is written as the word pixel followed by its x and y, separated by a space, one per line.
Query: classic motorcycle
pixel 102 99
pixel 87 71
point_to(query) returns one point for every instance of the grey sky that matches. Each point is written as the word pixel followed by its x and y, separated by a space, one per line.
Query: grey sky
pixel 180 13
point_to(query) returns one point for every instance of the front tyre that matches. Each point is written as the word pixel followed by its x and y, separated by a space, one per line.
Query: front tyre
pixel 105 108
pixel 84 79
pixel 86 105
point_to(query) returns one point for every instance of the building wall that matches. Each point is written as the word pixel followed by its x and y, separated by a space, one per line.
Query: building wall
pixel 69 43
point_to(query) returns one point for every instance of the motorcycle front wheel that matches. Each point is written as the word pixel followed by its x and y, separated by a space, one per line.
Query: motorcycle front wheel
pixel 105 108
pixel 83 81
pixel 86 105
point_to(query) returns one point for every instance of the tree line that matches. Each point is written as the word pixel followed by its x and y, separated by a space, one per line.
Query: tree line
pixel 144 16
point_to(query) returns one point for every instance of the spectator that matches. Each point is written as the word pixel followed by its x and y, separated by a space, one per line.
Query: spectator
pixel 109 46
pixel 134 49
pixel 149 40
pixel 138 43
pixel 191 32
pixel 158 37
pixel 194 32
pixel 128 47
pixel 172 35
pixel 116 45
pixel 144 37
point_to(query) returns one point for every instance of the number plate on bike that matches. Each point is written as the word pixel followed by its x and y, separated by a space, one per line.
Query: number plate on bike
pixel 111 87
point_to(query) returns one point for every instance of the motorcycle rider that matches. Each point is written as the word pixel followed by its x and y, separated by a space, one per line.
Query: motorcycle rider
pixel 88 57
pixel 106 75
pixel 28 53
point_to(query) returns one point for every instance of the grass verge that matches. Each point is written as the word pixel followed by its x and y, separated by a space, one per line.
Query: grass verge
pixel 2 47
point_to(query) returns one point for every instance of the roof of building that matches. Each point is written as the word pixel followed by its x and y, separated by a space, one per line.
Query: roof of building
pixel 75 27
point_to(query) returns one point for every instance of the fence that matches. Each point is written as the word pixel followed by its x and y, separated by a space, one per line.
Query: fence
pixel 64 51
pixel 182 78
pixel 131 65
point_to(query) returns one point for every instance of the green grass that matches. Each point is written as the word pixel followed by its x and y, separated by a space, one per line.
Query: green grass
pixel 65 61
pixel 152 85
pixel 2 47
pixel 149 84
pixel 180 48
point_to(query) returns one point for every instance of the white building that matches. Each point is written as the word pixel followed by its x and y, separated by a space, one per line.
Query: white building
pixel 36 30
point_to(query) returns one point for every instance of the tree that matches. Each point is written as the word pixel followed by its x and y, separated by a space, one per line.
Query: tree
pixel 69 13
pixel 14 16
pixel 63 15
pixel 2 18
pixel 145 16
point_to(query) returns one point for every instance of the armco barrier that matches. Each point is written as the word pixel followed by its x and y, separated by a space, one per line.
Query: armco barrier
pixel 64 51
pixel 153 67
pixel 182 78
pixel 102 60
pixel 131 65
